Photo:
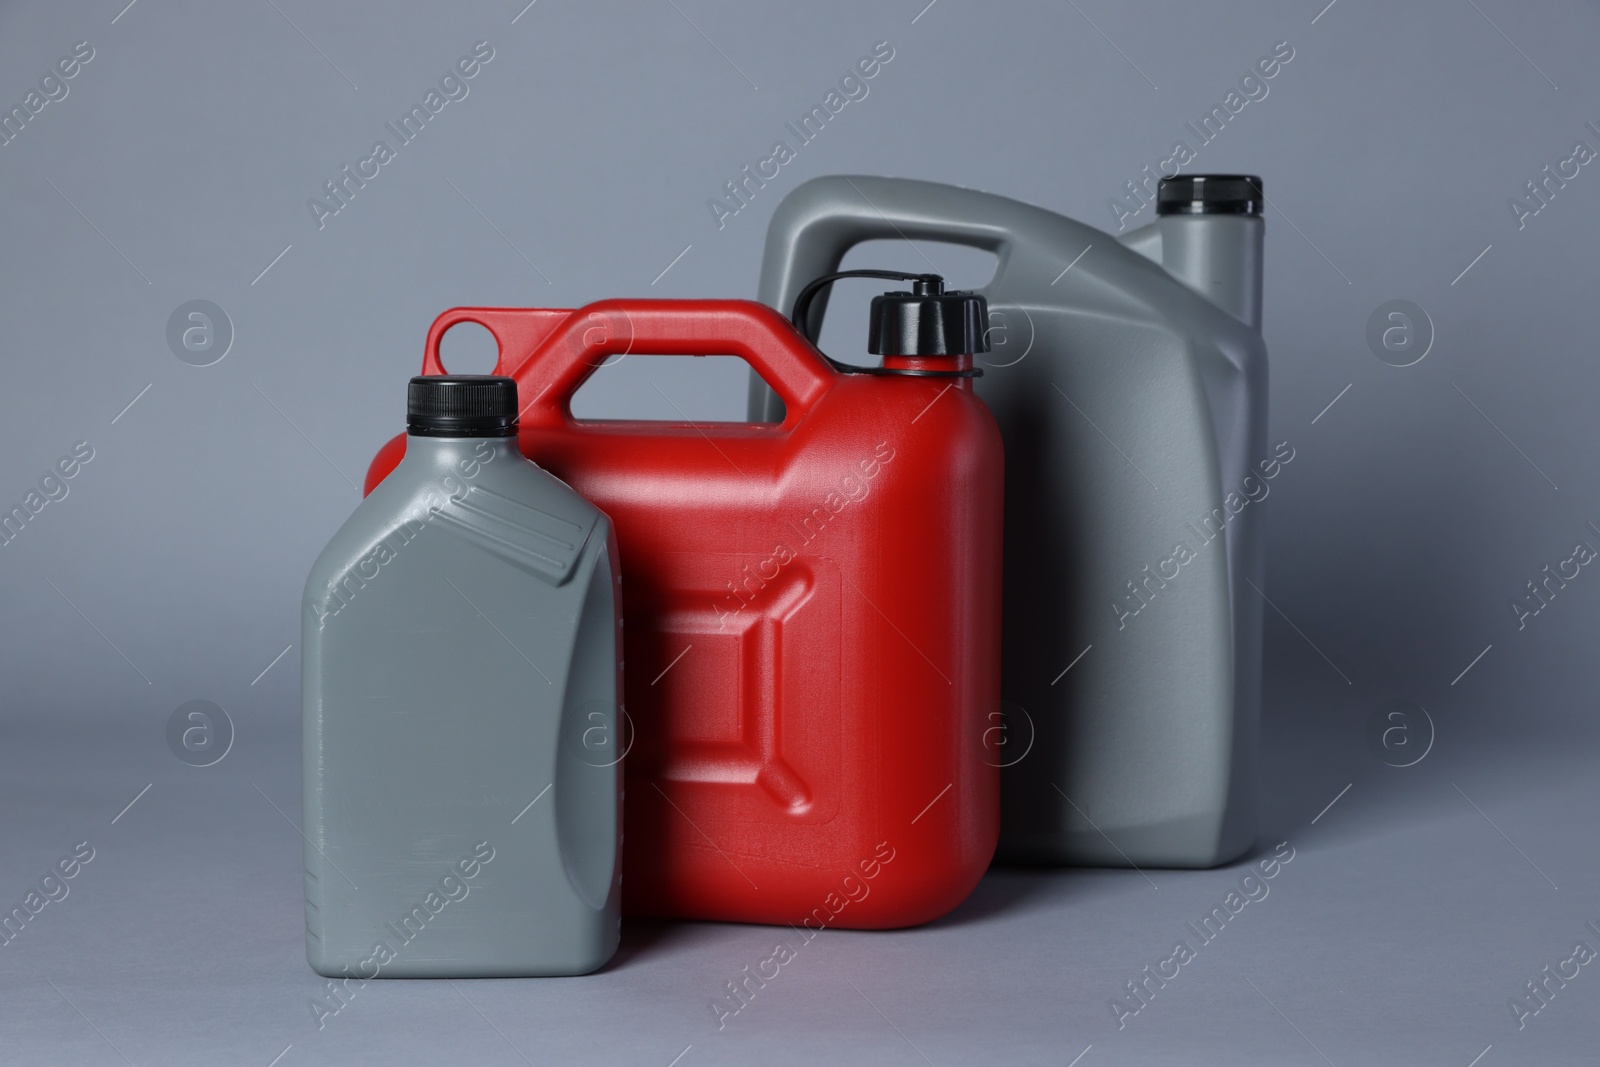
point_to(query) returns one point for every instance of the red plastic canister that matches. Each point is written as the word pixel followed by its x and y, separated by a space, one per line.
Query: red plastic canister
pixel 811 616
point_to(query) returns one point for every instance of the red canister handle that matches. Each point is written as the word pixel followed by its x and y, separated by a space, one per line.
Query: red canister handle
pixel 552 353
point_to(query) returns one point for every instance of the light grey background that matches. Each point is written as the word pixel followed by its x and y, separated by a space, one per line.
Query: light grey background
pixel 178 167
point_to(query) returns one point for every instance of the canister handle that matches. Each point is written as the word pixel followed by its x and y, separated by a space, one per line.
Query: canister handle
pixel 551 353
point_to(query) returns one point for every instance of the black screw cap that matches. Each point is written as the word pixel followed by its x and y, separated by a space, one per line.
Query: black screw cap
pixel 461 405
pixel 1210 194
pixel 927 321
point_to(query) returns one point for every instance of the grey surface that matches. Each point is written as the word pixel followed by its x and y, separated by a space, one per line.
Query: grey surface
pixel 1419 505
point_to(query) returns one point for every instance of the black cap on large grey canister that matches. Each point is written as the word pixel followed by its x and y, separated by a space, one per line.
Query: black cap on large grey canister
pixel 461 405
pixel 1210 194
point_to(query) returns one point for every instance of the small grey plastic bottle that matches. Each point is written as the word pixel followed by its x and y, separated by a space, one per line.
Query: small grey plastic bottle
pixel 461 643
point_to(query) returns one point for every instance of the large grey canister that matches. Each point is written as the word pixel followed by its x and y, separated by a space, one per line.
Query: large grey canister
pixel 1131 393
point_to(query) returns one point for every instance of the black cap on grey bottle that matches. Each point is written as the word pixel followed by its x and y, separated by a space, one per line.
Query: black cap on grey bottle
pixel 461 405
pixel 1210 194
